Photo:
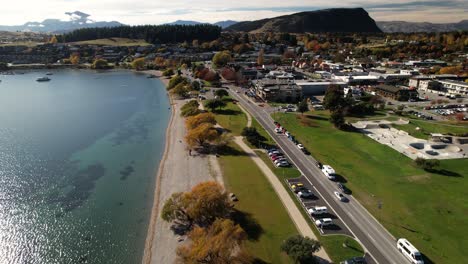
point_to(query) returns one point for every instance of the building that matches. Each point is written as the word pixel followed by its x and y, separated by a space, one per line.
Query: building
pixel 272 90
pixel 396 93
pixel 454 87
pixel 313 88
pixel 429 85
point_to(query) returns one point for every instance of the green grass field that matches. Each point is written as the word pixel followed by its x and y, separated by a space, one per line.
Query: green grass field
pixel 429 209
pixel 426 128
pixel 231 118
pixel 125 42
pixel 259 200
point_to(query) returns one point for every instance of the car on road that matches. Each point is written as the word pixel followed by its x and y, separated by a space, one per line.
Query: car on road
pixel 323 222
pixel 343 188
pixel 355 260
pixel 300 146
pixel 329 172
pixel 317 210
pixel 409 251
pixel 305 193
pixel 340 196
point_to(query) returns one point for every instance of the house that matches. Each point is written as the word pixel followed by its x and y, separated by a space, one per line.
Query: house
pixel 396 93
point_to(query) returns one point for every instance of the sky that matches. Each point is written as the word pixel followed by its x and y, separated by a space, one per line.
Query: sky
pixel 136 12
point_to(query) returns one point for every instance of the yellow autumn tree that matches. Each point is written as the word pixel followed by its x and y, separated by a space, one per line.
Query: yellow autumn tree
pixel 53 40
pixel 75 58
pixel 138 64
pixel 194 121
pixel 222 242
pixel 261 57
pixel 201 135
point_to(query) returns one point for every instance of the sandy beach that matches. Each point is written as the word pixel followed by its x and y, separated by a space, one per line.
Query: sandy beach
pixel 177 172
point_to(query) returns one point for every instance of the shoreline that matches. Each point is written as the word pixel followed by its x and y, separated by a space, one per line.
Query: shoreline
pixel 147 253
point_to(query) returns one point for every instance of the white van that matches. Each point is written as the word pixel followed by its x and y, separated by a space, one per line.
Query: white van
pixel 410 252
pixel 318 210
pixel 329 172
pixel 323 222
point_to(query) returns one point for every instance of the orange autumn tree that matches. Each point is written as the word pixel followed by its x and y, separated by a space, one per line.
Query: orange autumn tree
pixel 194 121
pixel 222 242
pixel 75 58
pixel 201 135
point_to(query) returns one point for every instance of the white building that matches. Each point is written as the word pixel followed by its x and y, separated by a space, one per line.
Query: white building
pixel 454 87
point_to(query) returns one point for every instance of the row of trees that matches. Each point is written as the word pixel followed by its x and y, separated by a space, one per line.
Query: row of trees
pixel 152 34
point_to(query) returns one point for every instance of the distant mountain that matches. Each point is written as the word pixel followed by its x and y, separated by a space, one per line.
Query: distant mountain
pixel 76 20
pixel 184 22
pixel 407 27
pixel 222 24
pixel 327 20
pixel 226 23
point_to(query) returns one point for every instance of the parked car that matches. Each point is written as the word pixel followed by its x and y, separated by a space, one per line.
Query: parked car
pixel 318 164
pixel 280 160
pixel 277 157
pixel 343 188
pixel 355 260
pixel 305 193
pixel 323 222
pixel 282 164
pixel 329 172
pixel 274 153
pixel 300 146
pixel 233 197
pixel 278 130
pixel 317 210
pixel 340 196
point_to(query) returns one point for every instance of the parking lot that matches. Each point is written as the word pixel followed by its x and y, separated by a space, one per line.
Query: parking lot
pixel 337 227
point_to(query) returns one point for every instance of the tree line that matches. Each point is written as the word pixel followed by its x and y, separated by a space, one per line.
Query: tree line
pixel 150 33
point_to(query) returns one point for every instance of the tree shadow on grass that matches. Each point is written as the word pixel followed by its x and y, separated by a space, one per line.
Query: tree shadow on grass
pixel 447 173
pixel 230 151
pixel 248 223
pixel 227 112
pixel 315 117
pixel 259 261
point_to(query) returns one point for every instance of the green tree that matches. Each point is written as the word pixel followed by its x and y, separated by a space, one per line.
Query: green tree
pixel 190 109
pixel 175 81
pixel 301 249
pixel 252 136
pixel 214 104
pixel 100 64
pixel 337 119
pixel 427 164
pixel 138 64
pixel 168 72
pixel 220 59
pixel 303 106
pixel 221 93
pixel 334 98
pixel 181 90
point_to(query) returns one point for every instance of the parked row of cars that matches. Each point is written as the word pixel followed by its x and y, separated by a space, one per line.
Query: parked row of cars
pixel 277 158
pixel 433 107
pixel 281 130
pixel 420 115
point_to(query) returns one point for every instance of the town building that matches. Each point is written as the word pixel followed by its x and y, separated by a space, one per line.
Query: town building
pixel 396 93
pixel 274 90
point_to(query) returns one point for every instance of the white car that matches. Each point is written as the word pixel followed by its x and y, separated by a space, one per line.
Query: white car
pixel 282 164
pixel 274 153
pixel 329 172
pixel 340 196
pixel 318 210
pixel 323 222
pixel 306 193
pixel 278 130
pixel 280 160
pixel 300 146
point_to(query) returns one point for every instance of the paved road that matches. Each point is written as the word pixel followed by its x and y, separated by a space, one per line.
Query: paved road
pixel 376 240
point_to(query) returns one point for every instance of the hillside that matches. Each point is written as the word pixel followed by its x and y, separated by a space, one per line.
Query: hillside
pixel 327 20
pixel 408 27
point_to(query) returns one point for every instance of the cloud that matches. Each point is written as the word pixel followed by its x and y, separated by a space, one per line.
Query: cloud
pixel 163 11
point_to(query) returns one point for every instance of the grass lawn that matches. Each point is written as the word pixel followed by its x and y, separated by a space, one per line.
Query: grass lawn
pixel 429 209
pixel 426 128
pixel 332 244
pixel 114 42
pixel 259 200
pixel 231 118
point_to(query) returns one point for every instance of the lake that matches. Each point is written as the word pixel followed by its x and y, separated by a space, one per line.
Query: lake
pixel 78 159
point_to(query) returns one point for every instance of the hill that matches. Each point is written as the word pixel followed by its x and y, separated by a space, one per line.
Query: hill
pixel 327 20
pixel 408 27
pixel 76 20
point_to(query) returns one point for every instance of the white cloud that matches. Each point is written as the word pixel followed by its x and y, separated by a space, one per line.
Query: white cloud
pixel 162 11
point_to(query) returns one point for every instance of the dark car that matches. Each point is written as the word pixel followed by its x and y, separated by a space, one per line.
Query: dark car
pixel 318 164
pixel 355 260
pixel 343 188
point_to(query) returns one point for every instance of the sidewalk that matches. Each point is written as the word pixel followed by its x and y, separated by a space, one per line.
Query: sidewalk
pixel 298 219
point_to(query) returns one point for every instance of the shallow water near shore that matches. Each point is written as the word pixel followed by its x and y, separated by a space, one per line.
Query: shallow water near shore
pixel 78 158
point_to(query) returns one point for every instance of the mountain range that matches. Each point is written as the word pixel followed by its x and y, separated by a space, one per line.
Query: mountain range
pixel 222 24
pixel 76 20
pixel 326 20
pixel 408 27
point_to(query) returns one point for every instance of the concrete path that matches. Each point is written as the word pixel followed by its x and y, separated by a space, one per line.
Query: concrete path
pixel 293 211
pixel 249 117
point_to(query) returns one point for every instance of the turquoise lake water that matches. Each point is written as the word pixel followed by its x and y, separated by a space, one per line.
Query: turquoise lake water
pixel 78 158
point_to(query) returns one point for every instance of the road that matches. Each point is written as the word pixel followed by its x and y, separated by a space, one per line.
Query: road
pixel 375 239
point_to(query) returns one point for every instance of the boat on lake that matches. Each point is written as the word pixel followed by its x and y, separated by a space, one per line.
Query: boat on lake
pixel 43 79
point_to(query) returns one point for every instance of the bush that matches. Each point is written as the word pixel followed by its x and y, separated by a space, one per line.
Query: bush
pixel 190 109
pixel 175 81
pixel 252 136
pixel 168 72
pixel 427 164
